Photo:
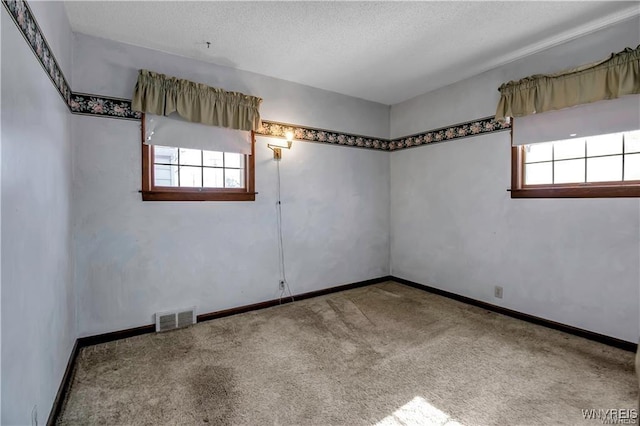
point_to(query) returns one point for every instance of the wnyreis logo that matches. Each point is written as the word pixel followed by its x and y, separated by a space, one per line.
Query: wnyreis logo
pixel 612 416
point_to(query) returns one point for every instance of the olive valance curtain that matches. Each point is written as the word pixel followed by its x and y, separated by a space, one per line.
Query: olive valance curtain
pixel 160 94
pixel 611 78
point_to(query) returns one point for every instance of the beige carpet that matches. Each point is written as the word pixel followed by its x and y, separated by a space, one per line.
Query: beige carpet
pixel 385 354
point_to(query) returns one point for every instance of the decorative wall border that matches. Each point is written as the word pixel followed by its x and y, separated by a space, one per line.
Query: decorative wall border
pixel 277 129
pixel 102 106
pixel 105 106
pixel 457 131
pixel 24 19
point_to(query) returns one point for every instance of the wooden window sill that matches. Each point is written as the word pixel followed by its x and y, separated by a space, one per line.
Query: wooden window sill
pixel 578 192
pixel 198 196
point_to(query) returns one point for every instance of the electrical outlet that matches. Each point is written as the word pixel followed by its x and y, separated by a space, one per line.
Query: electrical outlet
pixel 34 416
pixel 498 292
pixel 281 285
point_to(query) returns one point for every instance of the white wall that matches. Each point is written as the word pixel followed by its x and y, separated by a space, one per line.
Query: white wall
pixel 454 226
pixel 38 301
pixel 135 258
pixel 110 68
pixel 478 96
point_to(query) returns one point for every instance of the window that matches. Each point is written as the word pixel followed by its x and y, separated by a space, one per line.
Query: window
pixel 182 174
pixel 596 166
pixel 192 168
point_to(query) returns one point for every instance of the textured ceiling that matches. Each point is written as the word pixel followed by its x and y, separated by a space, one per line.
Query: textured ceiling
pixel 381 51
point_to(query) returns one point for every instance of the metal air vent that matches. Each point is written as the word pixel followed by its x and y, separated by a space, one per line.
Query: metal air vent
pixel 172 320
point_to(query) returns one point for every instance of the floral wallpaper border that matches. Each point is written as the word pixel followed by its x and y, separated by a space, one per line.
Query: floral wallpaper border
pixel 104 106
pixel 457 131
pixel 276 129
pixel 23 17
pixel 86 104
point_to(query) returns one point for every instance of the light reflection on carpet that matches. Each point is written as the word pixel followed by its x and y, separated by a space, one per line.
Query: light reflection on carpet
pixel 418 412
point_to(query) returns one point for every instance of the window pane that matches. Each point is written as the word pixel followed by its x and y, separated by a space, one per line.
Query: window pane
pixel 234 178
pixel 604 169
pixel 538 174
pixel 604 145
pixel 537 152
pixel 568 171
pixel 632 141
pixel 165 175
pixel 190 176
pixel 165 154
pixel 213 178
pixel 212 158
pixel 572 148
pixel 190 157
pixel 632 167
pixel 232 159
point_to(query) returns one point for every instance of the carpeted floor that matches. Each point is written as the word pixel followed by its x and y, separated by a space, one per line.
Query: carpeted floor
pixel 385 354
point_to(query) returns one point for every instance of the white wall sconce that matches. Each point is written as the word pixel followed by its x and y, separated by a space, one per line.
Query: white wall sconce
pixel 277 146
